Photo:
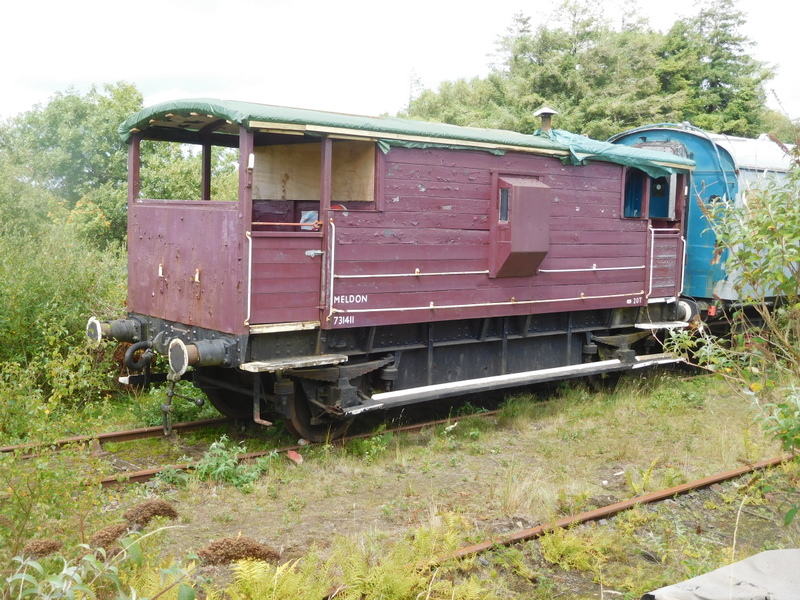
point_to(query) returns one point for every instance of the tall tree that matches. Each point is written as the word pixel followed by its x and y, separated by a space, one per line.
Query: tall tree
pixel 599 79
pixel 706 57
pixel 602 80
pixel 70 148
pixel 70 145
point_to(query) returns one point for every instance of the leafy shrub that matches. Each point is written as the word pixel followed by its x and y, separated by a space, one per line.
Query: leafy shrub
pixel 782 419
pixel 221 464
pixel 125 574
pixel 50 287
pixel 46 494
pixel 761 240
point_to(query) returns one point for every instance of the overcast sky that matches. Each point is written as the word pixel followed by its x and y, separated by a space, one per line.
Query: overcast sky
pixel 348 55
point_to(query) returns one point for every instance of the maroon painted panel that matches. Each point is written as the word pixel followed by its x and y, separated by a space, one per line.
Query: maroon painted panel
pixel 424 227
pixel 436 207
pixel 425 266
pixel 383 290
pixel 184 263
pixel 633 248
pixel 464 206
pixel 590 288
pixel 349 255
pixel 467 160
pixel 442 314
pixel 434 189
pixel 586 223
pixel 391 219
pixel 415 172
pixel 285 284
pixel 587 197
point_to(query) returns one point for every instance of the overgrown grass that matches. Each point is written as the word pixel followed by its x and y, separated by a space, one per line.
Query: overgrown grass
pixel 370 566
pixel 580 449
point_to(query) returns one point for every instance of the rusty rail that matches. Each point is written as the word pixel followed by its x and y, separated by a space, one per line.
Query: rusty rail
pixel 147 474
pixel 115 436
pixel 612 509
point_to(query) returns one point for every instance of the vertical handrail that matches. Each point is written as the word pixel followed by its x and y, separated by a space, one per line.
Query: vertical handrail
pixel 331 257
pixel 652 260
pixel 683 263
pixel 249 237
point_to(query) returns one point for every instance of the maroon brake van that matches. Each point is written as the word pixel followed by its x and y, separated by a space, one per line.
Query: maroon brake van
pixel 373 262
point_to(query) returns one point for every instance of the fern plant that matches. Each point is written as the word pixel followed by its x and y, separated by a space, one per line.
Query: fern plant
pixel 366 567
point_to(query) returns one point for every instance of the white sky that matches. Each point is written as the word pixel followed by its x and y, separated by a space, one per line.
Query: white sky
pixel 354 56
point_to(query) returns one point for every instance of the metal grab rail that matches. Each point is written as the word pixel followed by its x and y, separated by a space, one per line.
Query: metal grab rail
pixel 311 224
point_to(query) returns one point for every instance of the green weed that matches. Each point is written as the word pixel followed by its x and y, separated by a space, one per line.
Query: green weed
pixel 221 464
pixel 642 483
pixel 371 448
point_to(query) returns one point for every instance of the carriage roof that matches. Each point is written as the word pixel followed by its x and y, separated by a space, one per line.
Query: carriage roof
pixel 762 154
pixel 189 120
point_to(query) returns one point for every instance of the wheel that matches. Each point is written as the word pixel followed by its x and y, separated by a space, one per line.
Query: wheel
pixel 231 404
pixel 229 391
pixel 299 421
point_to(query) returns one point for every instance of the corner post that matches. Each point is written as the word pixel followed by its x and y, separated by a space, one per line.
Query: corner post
pixel 134 167
pixel 325 187
pixel 206 172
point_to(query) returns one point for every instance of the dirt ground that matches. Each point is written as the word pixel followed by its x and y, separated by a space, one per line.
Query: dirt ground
pixel 536 462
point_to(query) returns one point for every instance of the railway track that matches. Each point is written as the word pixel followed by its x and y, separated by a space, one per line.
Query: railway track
pixel 504 540
pixel 99 439
pixel 517 536
pixel 96 443
pixel 147 474
pixel 612 509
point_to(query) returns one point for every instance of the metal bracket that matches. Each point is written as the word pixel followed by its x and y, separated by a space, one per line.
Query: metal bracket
pixel 257 402
pixel 313 253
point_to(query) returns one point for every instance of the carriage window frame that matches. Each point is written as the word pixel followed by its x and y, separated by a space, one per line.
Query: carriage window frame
pixel 671 196
pixel 635 206
pixel 503 209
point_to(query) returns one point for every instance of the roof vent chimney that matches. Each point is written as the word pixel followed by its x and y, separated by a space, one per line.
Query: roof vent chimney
pixel 546 113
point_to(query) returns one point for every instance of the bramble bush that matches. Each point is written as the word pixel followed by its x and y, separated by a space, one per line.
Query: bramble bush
pixel 762 353
pixel 47 496
pixel 762 240
pixel 51 280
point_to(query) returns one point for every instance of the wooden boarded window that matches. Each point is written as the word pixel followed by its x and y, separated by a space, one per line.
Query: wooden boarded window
pixel 292 171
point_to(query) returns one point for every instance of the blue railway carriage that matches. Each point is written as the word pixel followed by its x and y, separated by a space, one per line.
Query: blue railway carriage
pixel 728 168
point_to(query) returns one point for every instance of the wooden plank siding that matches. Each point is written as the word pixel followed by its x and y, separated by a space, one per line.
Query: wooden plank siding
pixel 184 263
pixel 422 252
pixel 666 260
pixel 435 219
pixel 285 283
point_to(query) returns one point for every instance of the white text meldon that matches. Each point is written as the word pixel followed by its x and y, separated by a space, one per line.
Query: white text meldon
pixel 351 299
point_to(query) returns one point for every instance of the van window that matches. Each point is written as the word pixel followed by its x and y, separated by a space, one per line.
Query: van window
pixel 634 193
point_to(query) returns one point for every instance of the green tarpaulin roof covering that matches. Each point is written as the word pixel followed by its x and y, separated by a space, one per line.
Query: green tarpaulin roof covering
pixel 192 115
